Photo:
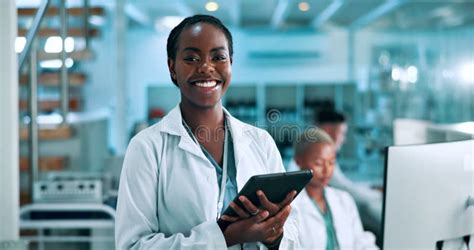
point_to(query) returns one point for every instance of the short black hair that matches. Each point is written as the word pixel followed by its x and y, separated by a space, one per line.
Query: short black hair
pixel 330 116
pixel 172 43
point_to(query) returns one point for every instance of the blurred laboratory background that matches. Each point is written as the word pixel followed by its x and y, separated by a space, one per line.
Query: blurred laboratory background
pixel 402 71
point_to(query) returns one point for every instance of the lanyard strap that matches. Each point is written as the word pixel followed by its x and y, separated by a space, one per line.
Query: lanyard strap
pixel 220 202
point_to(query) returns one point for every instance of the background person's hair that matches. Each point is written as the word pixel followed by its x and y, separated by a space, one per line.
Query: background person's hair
pixel 308 137
pixel 330 116
pixel 173 38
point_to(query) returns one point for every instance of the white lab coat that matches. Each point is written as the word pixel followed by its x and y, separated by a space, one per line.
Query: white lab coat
pixel 168 191
pixel 369 201
pixel 349 232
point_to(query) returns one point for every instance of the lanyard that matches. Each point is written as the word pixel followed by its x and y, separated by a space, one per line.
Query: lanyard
pixel 329 214
pixel 220 202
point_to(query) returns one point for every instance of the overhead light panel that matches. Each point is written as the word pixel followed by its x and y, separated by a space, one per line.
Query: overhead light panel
pixel 396 73
pixel 54 44
pixel 167 23
pixel 467 73
pixel 303 6
pixel 212 6
pixel 96 20
pixel 56 63
pixel 412 74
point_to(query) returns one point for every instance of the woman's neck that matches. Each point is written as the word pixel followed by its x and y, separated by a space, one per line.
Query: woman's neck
pixel 317 194
pixel 195 117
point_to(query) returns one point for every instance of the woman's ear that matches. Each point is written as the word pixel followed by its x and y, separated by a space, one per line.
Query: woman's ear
pixel 171 69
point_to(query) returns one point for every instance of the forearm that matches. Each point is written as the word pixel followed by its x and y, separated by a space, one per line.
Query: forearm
pixel 204 236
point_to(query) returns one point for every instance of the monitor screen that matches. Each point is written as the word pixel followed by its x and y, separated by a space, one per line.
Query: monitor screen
pixel 426 192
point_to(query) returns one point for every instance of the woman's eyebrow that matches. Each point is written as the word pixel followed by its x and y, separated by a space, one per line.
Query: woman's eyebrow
pixel 217 49
pixel 192 49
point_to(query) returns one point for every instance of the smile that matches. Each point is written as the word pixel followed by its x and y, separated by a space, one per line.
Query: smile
pixel 206 84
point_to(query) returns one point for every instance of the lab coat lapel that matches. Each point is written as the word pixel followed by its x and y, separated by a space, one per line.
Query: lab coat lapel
pixel 308 202
pixel 339 219
pixel 241 143
pixel 172 124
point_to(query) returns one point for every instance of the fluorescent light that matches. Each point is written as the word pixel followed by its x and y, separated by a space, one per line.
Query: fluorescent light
pixel 412 74
pixel 20 43
pixel 56 63
pixel 303 6
pixel 50 119
pixel 396 73
pixel 54 44
pixel 167 23
pixel 96 20
pixel 212 6
pixel 467 73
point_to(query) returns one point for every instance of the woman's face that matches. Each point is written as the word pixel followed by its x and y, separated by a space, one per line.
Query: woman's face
pixel 202 67
pixel 321 158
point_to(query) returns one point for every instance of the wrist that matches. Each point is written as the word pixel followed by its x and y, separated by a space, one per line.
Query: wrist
pixel 275 244
pixel 230 239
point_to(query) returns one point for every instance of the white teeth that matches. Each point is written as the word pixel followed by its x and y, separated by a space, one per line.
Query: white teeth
pixel 207 84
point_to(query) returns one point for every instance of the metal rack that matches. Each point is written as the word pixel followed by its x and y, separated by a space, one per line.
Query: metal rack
pixel 28 222
pixel 31 50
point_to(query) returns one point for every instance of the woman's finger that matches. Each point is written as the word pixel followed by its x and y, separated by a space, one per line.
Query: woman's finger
pixel 249 206
pixel 229 218
pixel 261 216
pixel 271 207
pixel 240 212
pixel 279 219
pixel 288 199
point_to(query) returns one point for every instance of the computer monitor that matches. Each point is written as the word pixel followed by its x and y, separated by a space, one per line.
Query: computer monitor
pixel 427 188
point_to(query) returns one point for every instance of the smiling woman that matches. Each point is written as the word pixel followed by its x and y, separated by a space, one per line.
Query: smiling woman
pixel 180 174
pixel 202 65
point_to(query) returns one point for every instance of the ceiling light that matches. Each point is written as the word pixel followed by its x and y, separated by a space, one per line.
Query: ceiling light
pixel 20 44
pixel 412 74
pixel 54 44
pixel 212 6
pixel 303 6
pixel 96 20
pixel 167 23
pixel 467 73
pixel 56 63
pixel 396 73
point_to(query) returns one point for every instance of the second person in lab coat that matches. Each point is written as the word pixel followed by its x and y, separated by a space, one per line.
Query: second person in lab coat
pixel 181 173
pixel 327 217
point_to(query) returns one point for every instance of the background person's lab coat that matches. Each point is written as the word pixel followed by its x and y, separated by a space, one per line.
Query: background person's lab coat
pixel 168 189
pixel 369 201
pixel 346 221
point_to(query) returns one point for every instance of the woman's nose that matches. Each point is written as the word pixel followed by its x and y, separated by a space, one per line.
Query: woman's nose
pixel 205 67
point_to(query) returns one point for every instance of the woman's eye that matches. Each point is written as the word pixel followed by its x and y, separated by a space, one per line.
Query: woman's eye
pixel 191 59
pixel 318 164
pixel 219 58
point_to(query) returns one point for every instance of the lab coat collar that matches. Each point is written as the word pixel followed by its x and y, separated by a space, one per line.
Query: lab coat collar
pixel 336 209
pixel 309 202
pixel 172 124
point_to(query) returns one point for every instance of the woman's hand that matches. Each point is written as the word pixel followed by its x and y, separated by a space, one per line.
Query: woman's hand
pixel 252 210
pixel 274 208
pixel 260 227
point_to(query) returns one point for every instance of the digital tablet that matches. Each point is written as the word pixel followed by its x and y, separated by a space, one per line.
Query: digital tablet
pixel 275 186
